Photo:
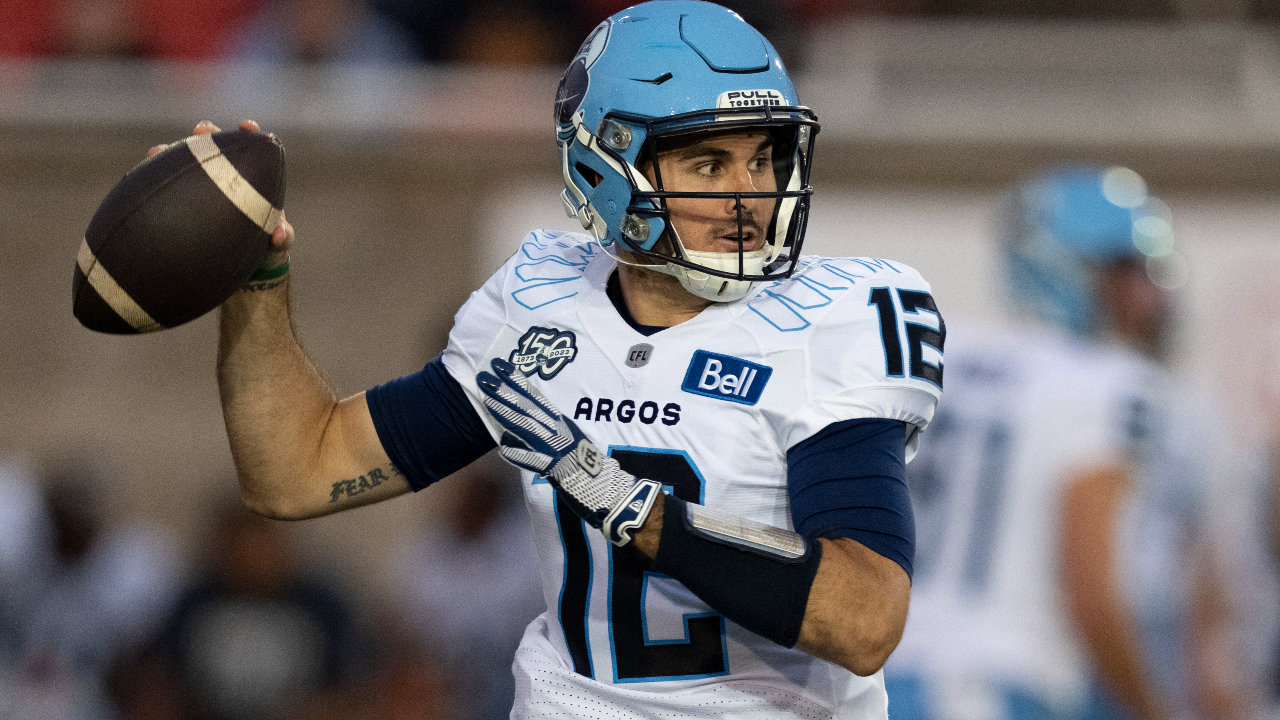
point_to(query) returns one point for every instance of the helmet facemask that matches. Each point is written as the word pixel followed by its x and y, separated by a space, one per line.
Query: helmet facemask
pixel 724 276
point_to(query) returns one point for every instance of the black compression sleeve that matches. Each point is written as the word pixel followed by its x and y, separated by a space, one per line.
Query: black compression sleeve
pixel 427 425
pixel 762 594
pixel 850 480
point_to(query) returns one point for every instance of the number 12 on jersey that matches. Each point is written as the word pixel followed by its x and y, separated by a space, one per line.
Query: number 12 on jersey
pixel 918 334
pixel 701 653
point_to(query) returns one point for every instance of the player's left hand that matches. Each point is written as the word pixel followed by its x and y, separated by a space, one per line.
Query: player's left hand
pixel 538 438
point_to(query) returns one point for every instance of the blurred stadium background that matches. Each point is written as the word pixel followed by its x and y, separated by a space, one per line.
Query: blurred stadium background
pixel 420 150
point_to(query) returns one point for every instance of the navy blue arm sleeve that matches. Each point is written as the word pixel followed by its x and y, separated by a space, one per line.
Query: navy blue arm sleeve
pixel 850 480
pixel 426 424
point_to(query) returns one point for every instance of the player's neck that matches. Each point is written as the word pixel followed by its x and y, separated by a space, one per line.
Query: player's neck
pixel 657 299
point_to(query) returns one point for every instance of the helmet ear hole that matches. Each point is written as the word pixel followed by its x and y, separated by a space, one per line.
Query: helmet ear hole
pixel 591 176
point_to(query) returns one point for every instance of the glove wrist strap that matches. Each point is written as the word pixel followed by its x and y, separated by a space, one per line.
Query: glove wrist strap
pixel 630 514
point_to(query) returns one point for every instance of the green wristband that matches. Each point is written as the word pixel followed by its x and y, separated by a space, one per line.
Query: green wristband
pixel 270 273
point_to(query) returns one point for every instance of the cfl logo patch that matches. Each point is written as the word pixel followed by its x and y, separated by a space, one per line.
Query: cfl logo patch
pixel 639 354
pixel 725 377
pixel 545 351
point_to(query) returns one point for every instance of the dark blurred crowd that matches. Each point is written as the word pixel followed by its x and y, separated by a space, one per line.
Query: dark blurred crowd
pixel 503 33
pixel 497 33
pixel 109 621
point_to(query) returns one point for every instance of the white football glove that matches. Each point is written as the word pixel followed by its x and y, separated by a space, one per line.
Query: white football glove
pixel 537 437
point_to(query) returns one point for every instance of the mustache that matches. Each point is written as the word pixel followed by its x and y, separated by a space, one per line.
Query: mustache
pixel 731 229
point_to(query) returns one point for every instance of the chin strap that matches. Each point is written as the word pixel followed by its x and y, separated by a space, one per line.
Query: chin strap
pixel 646 266
pixel 703 285
pixel 707 286
pixel 713 287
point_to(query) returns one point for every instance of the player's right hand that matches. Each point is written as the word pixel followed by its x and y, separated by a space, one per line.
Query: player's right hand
pixel 537 437
pixel 283 236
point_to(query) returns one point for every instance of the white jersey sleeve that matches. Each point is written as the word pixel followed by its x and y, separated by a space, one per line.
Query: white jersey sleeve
pixel 482 327
pixel 856 338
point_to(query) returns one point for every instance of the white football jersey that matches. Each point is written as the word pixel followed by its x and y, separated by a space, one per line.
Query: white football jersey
pixel 709 408
pixel 1171 526
pixel 1026 409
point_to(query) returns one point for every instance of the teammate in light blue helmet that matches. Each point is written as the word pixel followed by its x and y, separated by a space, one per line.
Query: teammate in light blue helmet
pixel 1063 503
pixel 1089 249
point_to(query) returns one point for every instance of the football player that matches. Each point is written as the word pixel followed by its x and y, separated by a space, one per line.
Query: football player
pixel 1062 500
pixel 712 427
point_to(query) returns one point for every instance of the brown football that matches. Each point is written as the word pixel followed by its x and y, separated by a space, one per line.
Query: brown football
pixel 180 233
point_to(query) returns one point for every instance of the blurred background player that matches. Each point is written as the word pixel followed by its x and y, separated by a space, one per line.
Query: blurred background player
pixel 255 634
pixel 1062 568
pixel 76 592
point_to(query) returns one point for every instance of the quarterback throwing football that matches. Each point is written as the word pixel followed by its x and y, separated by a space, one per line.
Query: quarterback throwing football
pixel 713 429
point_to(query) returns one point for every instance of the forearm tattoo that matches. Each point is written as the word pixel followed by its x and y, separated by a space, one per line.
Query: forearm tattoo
pixel 368 481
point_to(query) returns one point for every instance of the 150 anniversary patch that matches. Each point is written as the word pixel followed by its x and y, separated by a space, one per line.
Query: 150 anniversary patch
pixel 545 351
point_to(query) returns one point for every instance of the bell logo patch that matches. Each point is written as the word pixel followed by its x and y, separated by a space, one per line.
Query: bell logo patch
pixel 725 377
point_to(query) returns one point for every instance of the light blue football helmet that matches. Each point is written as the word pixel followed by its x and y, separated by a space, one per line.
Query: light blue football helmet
pixel 1064 224
pixel 666 68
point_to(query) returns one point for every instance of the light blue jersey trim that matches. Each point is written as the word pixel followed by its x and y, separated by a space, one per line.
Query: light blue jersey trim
pixel 644 626
pixel 644 621
pixel 784 304
pixel 702 481
pixel 551 271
